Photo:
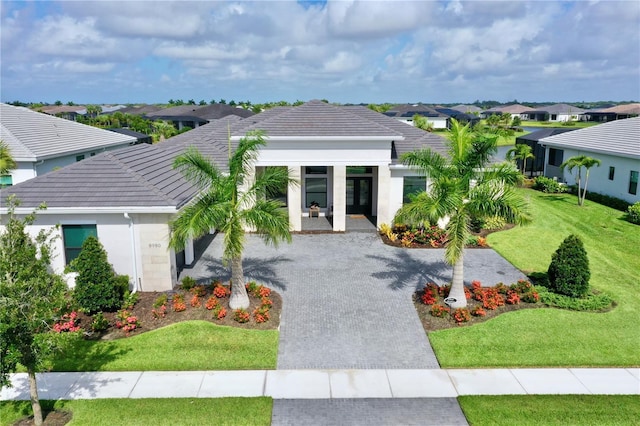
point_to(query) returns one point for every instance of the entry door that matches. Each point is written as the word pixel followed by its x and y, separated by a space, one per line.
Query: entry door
pixel 358 195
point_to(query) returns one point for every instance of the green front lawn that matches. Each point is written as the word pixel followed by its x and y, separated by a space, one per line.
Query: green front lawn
pixel 559 410
pixel 130 412
pixel 510 140
pixel 576 124
pixel 189 345
pixel 554 337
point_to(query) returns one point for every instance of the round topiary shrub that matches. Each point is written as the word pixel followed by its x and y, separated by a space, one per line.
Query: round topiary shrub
pixel 96 286
pixel 569 269
pixel 633 213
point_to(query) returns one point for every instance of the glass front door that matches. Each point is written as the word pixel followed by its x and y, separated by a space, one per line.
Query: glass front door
pixel 359 195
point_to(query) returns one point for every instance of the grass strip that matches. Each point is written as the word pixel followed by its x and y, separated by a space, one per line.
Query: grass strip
pixel 549 410
pixel 189 345
pixel 132 412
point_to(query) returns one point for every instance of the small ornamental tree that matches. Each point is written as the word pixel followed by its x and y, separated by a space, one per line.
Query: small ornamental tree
pixel 569 269
pixel 30 300
pixel 96 288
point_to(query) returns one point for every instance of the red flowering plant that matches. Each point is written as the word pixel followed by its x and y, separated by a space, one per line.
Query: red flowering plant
pixel 68 323
pixel 195 301
pixel 429 294
pixel 221 291
pixel 198 290
pixel 261 314
pixel 530 297
pixel 439 311
pixel 444 290
pixel 126 321
pixel 461 315
pixel 513 298
pixel 219 312
pixel 178 303
pixel 212 302
pixel 478 311
pixel 159 312
pixel 241 315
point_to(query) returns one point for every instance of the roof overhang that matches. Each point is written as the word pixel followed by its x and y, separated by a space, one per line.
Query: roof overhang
pixel 95 210
pixel 328 138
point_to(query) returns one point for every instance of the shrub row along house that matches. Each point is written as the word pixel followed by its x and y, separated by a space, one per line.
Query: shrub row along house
pixel 345 158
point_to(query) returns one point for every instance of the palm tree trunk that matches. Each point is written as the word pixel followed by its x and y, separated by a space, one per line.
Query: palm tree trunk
pixel 239 298
pixel 457 284
pixel 579 185
pixel 584 190
pixel 35 401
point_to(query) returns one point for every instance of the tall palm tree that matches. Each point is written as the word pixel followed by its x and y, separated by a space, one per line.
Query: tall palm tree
pixel 461 189
pixel 520 151
pixel 581 161
pixel 232 202
pixel 7 163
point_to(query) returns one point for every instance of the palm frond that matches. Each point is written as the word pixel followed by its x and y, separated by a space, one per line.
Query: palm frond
pixel 197 169
pixel 196 219
pixel 269 220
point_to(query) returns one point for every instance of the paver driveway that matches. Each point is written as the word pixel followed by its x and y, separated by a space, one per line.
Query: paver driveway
pixel 347 297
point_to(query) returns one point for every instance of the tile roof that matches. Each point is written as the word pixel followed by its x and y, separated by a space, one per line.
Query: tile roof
pixel 559 109
pixel 543 133
pixel 205 112
pixel 140 175
pixel 631 109
pixel 467 109
pixel 143 175
pixel 511 109
pixel 34 136
pixel 620 138
pixel 409 110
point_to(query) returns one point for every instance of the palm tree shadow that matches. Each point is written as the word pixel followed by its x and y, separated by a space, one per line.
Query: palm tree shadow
pixel 405 271
pixel 259 269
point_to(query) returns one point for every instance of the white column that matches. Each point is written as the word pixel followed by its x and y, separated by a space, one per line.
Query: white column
pixel 189 253
pixel 339 198
pixel 294 199
pixel 384 194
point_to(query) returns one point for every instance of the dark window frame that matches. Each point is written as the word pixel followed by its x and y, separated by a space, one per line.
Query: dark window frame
pixel 72 251
pixel 418 185
pixel 633 182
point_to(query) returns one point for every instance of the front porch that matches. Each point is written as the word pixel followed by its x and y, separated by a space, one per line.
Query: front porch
pixel 324 224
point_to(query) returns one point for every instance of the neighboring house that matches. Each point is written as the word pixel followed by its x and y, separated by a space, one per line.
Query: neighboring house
pixel 459 116
pixel 616 144
pixel 69 112
pixel 346 159
pixel 405 113
pixel 195 115
pixel 557 113
pixel 618 112
pixel 468 109
pixel 535 166
pixel 516 110
pixel 40 143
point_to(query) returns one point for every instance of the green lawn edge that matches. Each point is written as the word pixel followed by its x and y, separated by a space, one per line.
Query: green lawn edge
pixel 184 346
pixel 143 412
pixel 561 410
pixel 555 337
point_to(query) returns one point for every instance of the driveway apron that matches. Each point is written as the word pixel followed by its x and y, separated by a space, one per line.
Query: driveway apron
pixel 347 297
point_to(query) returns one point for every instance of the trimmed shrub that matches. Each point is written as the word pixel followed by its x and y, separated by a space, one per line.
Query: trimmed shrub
pixel 96 286
pixel 633 213
pixel 605 200
pixel 548 185
pixel 569 269
pixel 493 223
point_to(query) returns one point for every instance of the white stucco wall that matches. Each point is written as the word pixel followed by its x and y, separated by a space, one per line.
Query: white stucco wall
pixel 23 171
pixel 155 264
pixel 599 176
pixel 397 188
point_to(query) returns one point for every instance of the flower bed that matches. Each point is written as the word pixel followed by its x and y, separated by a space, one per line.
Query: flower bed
pixel 482 303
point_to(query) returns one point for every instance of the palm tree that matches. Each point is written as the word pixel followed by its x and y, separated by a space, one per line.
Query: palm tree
pixel 581 161
pixel 461 189
pixel 7 163
pixel 522 152
pixel 231 203
pixel 163 130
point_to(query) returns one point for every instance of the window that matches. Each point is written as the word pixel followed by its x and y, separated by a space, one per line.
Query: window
pixel 79 157
pixel 612 172
pixel 6 180
pixel 315 170
pixel 413 185
pixel 316 190
pixel 555 157
pixel 633 182
pixel 554 117
pixel 358 170
pixel 73 236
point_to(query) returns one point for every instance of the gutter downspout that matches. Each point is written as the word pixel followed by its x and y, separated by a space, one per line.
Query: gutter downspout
pixel 133 252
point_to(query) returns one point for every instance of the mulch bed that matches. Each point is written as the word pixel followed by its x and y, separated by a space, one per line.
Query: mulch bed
pixel 52 418
pixel 144 307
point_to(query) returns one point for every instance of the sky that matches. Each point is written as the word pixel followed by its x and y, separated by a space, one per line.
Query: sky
pixel 342 51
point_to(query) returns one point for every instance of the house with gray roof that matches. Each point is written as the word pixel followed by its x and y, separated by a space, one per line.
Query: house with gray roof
pixel 40 143
pixel 345 158
pixel 535 167
pixel 557 113
pixel 406 112
pixel 516 110
pixel 616 144
pixel 196 115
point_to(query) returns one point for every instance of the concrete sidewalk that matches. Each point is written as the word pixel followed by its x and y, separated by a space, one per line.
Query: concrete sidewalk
pixel 328 384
